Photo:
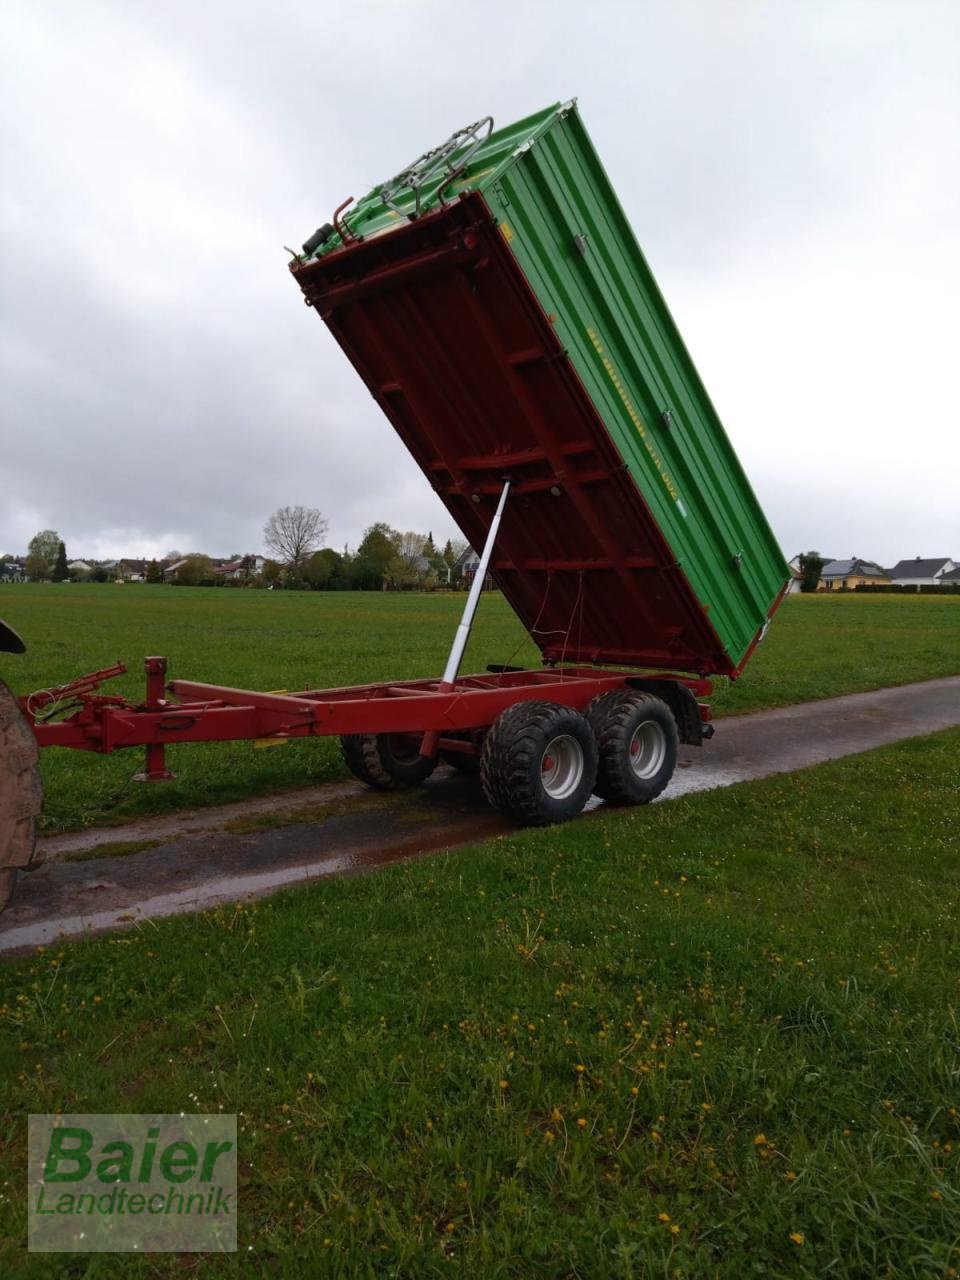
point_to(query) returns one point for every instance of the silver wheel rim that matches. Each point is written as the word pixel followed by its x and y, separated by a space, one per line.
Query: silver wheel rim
pixel 648 749
pixel 561 767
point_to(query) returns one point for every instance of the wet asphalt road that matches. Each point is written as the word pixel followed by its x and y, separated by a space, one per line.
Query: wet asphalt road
pixel 198 864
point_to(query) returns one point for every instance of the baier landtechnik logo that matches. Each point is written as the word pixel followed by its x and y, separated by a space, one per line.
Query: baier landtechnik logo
pixel 132 1184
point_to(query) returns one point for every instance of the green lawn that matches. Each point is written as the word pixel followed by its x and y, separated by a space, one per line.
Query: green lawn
pixel 712 1038
pixel 816 647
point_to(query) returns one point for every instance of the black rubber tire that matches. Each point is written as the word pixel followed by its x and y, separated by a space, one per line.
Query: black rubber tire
pixel 21 794
pixel 511 763
pixel 387 762
pixel 615 719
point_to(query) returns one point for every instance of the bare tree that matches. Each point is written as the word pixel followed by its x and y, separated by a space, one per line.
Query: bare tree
pixel 294 533
pixel 411 547
pixel 409 566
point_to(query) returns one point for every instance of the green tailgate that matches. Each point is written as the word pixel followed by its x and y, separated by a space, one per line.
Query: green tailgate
pixel 560 217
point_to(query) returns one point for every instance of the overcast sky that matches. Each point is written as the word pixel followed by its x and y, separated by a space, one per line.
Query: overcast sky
pixel 792 171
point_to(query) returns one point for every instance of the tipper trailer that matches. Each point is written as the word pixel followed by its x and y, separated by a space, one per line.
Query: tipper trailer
pixel 495 302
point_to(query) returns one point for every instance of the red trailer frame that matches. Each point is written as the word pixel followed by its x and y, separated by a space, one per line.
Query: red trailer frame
pixel 199 712
pixel 413 720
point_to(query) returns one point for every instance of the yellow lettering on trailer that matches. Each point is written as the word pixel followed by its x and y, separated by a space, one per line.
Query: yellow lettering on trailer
pixel 506 231
pixel 631 411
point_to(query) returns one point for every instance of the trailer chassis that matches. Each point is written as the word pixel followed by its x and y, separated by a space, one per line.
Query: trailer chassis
pixel 545 738
pixel 455 715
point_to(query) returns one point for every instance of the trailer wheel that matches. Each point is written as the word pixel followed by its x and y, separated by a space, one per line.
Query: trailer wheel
pixel 21 794
pixel 385 761
pixel 539 763
pixel 637 741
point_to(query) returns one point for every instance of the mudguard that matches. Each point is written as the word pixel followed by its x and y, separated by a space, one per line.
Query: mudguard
pixel 10 642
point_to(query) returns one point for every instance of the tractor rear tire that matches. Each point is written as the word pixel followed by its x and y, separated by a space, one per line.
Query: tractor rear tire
pixel 385 761
pixel 21 793
pixel 637 740
pixel 539 763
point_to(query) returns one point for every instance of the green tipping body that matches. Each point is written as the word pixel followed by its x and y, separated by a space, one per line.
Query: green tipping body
pixel 560 217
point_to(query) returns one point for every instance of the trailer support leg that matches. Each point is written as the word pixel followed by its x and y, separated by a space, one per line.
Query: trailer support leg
pixel 430 740
pixel 156 769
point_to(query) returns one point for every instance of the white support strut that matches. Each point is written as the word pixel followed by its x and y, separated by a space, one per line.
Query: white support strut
pixel 452 669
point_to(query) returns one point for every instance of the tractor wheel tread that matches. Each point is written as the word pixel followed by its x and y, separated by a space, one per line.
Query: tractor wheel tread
pixel 511 759
pixel 373 760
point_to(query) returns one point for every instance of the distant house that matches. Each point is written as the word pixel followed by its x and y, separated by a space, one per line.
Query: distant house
pixel 796 574
pixel 80 568
pixel 229 569
pixel 921 573
pixel 951 579
pixel 239 570
pixel 13 571
pixel 130 570
pixel 465 566
pixel 846 575
pixel 170 570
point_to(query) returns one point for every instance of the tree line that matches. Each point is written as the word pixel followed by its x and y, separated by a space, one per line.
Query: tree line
pixel 386 559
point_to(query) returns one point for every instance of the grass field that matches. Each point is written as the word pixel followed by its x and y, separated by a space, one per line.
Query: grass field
pixel 712 1038
pixel 817 647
